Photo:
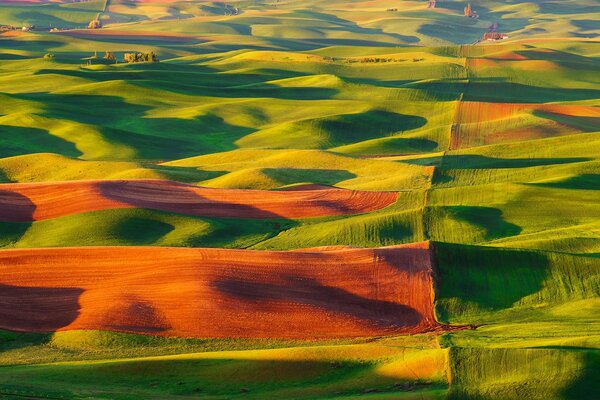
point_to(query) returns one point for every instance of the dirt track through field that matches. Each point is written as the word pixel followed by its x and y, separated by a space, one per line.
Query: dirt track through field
pixel 25 202
pixel 318 293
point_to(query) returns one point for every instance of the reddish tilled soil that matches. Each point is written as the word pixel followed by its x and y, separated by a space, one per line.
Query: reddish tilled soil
pixel 219 293
pixel 24 202
pixel 471 115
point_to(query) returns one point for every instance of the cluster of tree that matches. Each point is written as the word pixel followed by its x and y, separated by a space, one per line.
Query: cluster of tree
pixel 231 10
pixel 374 60
pixel 392 9
pixel 140 57
pixel 95 24
pixel 469 12
pixel 49 56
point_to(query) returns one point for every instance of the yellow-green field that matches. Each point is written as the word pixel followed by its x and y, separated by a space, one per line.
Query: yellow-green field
pixel 493 149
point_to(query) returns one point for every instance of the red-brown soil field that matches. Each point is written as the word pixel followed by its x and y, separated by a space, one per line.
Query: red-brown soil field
pixel 319 293
pixel 472 115
pixel 24 202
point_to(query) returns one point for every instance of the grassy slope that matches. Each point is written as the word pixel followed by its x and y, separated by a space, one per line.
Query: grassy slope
pixel 393 367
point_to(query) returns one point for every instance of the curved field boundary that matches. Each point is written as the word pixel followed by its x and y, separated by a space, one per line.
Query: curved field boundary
pixel 219 293
pixel 25 202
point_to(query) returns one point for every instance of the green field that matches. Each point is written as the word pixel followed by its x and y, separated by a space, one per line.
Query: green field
pixel 493 147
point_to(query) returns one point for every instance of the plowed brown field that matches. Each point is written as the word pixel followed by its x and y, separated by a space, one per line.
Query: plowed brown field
pixel 24 202
pixel 473 121
pixel 219 293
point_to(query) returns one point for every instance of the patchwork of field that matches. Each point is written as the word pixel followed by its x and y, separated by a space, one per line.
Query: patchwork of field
pixel 301 200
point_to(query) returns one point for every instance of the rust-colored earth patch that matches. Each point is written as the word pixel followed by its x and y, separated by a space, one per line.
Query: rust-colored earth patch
pixel 24 202
pixel 478 123
pixel 219 293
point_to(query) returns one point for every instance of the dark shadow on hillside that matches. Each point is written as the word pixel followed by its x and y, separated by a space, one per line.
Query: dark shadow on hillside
pixel 455 33
pixel 338 130
pixel 125 123
pixel 11 340
pixel 289 176
pixel 319 43
pixel 276 43
pixel 3 177
pixel 491 278
pixel 95 75
pixel 17 140
pixel 177 198
pixel 161 76
pixel 140 231
pixel 258 90
pixel 335 22
pixel 353 128
pixel 566 8
pixel 581 182
pixel 563 58
pixel 46 19
pixel 309 292
pixel 239 233
pixel 582 124
pixel 39 309
pixel 484 162
pixel 176 138
pixel 585 35
pixel 132 38
pixel 487 218
pixel 16 214
pixel 378 82
pixel 508 21
pixel 14 207
pixel 585 386
pixel 426 161
pixel 404 146
pixel 185 174
pixel 12 232
pixel 8 56
pixel 440 176
pixel 136 315
pixel 223 378
pixel 441 90
pixel 505 92
pixel 29 45
pixel 587 24
pixel 522 373
pixel 330 23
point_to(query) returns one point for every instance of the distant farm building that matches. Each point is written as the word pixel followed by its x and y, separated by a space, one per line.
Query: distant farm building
pixel 431 4
pixel 493 36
